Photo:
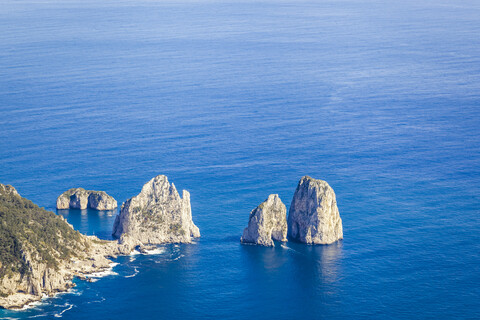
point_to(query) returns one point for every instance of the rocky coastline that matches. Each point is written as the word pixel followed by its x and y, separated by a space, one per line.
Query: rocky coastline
pixel 44 253
pixel 35 263
pixel 43 281
pixel 45 271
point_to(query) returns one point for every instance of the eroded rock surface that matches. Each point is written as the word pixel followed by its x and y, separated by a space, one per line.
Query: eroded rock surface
pixel 313 217
pixel 34 263
pixel 79 198
pixel 267 222
pixel 156 215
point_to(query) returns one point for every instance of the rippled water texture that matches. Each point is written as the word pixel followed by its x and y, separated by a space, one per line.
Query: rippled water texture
pixel 236 100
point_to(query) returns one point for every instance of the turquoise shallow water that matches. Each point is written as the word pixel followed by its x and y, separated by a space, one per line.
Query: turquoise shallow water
pixel 237 100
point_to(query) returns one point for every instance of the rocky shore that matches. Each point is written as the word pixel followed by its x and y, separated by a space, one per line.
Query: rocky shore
pixel 41 253
pixel 42 280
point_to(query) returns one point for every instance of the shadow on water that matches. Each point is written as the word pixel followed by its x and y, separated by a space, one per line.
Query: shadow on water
pixel 315 262
pixel 316 273
pixel 264 259
pixel 310 271
pixel 91 222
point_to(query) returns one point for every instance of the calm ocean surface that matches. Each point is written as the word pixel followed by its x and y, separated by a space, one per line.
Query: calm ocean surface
pixel 239 99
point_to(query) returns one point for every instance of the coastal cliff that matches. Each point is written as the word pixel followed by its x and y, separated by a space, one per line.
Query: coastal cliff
pixel 267 222
pixel 40 252
pixel 313 217
pixel 79 198
pixel 156 215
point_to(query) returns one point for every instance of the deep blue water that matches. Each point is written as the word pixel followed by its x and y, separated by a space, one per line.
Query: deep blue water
pixel 236 100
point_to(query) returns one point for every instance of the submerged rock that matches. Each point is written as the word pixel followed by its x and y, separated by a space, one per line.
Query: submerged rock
pixel 267 222
pixel 156 215
pixel 79 198
pixel 314 216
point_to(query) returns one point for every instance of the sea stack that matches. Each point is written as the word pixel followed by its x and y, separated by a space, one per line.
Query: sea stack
pixel 314 216
pixel 79 198
pixel 267 222
pixel 156 215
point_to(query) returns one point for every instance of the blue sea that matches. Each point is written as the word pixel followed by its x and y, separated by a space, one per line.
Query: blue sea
pixel 234 100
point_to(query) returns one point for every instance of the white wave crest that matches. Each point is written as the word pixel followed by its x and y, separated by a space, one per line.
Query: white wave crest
pixel 68 305
pixel 134 253
pixel 180 256
pixel 108 272
pixel 155 251
pixel 133 275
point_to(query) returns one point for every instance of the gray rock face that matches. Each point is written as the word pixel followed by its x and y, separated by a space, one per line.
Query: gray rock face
pixel 156 215
pixel 8 189
pixel 100 200
pixel 314 216
pixel 267 222
pixel 63 201
pixel 79 198
pixel 19 290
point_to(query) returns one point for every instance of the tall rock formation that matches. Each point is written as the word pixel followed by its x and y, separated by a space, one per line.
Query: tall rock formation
pixel 79 198
pixel 313 217
pixel 267 222
pixel 156 215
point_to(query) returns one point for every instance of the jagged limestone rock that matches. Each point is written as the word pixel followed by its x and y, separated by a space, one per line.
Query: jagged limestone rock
pixel 79 198
pixel 63 201
pixel 156 215
pixel 33 263
pixel 8 189
pixel 313 217
pixel 100 200
pixel 267 222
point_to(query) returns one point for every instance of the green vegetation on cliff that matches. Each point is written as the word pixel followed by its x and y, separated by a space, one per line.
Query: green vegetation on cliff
pixel 26 229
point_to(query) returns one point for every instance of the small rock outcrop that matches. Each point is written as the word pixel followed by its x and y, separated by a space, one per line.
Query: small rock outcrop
pixel 79 198
pixel 156 215
pixel 100 200
pixel 267 222
pixel 313 217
